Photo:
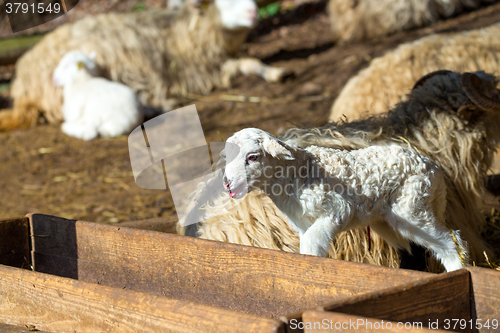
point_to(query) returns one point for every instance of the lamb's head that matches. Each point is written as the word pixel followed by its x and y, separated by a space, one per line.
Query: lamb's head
pixel 73 64
pixel 235 14
pixel 251 158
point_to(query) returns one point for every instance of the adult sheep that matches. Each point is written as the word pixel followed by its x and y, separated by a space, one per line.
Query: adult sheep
pixel 451 118
pixel 159 55
pixel 366 19
pixel 389 78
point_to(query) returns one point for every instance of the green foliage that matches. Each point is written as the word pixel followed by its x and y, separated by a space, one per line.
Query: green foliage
pixel 139 7
pixel 269 10
pixel 4 87
pixel 13 44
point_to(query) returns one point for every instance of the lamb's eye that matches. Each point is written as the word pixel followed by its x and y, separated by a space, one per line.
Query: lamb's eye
pixel 252 158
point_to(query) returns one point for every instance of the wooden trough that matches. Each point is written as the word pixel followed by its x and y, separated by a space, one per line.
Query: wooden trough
pixel 61 275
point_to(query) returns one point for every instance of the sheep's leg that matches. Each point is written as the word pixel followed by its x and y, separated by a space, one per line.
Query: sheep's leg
pixel 248 66
pixel 316 240
pixel 431 233
pixel 80 131
pixel 390 236
pixel 300 226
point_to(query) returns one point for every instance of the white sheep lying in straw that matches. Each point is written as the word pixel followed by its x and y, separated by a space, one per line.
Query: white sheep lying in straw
pixel 160 55
pixel 365 19
pixel 325 191
pixel 92 105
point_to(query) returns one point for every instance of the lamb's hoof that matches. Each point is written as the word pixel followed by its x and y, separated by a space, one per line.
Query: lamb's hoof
pixel 288 75
pixel 276 74
pixel 226 82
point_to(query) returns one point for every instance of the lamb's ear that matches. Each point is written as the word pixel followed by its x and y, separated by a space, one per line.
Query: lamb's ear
pixel 276 148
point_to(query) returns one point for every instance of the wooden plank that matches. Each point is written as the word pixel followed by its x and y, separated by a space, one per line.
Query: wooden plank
pixel 15 243
pixel 53 235
pixel 48 263
pixel 4 328
pixel 60 304
pixel 438 299
pixel 330 322
pixel 485 298
pixel 161 224
pixel 240 278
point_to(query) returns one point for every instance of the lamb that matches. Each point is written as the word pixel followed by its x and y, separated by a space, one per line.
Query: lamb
pixel 388 79
pixel 94 105
pixel 451 118
pixel 160 55
pixel 355 20
pixel 323 191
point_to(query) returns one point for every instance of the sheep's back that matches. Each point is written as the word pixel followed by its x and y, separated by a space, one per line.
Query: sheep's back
pixel 387 80
pixel 368 19
pixel 373 170
pixel 129 48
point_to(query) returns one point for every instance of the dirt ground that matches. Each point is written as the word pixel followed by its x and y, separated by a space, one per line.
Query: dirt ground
pixel 42 170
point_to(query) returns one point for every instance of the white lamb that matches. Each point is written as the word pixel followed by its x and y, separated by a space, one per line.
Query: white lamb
pixel 92 105
pixel 324 191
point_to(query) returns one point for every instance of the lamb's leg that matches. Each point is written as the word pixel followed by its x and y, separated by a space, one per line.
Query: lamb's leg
pixel 441 243
pixel 248 66
pixel 431 233
pixel 110 129
pixel 316 240
pixel 390 236
pixel 80 131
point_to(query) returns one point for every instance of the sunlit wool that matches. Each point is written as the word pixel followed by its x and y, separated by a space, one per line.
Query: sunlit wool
pixel 368 19
pixel 389 78
pixel 324 191
pixel 461 144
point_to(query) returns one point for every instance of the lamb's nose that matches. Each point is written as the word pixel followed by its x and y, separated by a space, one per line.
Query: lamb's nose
pixel 253 13
pixel 226 182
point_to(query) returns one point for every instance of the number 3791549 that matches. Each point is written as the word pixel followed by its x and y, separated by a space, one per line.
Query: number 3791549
pixel 471 324
pixel 40 8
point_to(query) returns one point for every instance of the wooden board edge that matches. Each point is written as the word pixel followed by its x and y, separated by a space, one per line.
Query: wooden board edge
pixel 392 290
pixel 315 321
pixel 166 225
pixel 485 298
pixel 60 305
pixel 230 247
pixel 213 273
pixel 441 299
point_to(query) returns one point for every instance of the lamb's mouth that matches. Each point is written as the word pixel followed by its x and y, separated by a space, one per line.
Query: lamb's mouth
pixel 237 192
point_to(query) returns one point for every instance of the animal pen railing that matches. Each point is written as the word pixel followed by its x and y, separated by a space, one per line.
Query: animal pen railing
pixel 63 275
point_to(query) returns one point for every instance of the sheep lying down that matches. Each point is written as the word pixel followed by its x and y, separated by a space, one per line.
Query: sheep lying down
pixel 94 106
pixel 324 191
pixel 161 55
